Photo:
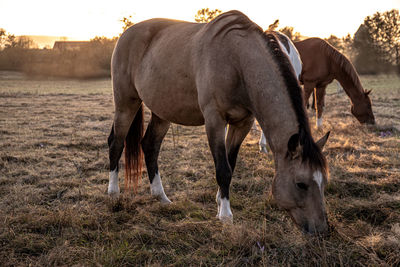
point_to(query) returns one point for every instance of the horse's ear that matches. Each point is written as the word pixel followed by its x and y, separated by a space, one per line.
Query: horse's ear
pixel 321 142
pixel 294 148
pixel 367 92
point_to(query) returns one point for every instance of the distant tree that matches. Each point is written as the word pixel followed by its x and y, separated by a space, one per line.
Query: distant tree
pixel 3 37
pixel 206 15
pixel 348 48
pixel 335 42
pixel 377 43
pixel 11 41
pixel 289 32
pixel 384 30
pixel 25 42
pixel 368 59
pixel 127 22
pixel 103 40
pixel 273 26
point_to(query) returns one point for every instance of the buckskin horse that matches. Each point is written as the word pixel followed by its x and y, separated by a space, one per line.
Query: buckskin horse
pixel 224 72
pixel 322 63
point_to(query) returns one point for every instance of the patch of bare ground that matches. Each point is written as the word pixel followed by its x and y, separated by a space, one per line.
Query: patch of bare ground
pixel 54 209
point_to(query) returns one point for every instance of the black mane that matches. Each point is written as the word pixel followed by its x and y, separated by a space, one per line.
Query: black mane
pixel 311 152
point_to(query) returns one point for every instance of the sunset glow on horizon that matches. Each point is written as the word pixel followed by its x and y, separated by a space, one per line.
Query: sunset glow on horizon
pixel 87 19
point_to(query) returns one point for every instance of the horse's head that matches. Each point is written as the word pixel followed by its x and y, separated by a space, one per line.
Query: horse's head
pixel 299 186
pixel 362 110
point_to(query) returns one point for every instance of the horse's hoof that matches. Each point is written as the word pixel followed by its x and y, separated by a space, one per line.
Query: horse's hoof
pixel 165 201
pixel 226 219
pixel 113 195
pixel 113 191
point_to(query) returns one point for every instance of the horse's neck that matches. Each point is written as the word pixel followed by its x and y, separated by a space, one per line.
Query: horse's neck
pixel 266 87
pixel 350 82
pixel 273 110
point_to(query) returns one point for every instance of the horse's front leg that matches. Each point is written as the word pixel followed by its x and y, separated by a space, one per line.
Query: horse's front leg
pixel 215 128
pixel 320 103
pixel 308 88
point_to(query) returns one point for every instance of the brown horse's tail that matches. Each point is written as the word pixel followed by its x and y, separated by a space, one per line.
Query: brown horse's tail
pixel 133 152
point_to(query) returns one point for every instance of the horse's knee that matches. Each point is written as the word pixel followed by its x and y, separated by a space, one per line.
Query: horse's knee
pixel 111 136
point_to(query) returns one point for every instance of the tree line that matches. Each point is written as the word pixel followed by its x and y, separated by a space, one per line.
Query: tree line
pixel 374 48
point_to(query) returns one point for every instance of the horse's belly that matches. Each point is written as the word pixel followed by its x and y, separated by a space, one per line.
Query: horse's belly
pixel 179 114
pixel 175 105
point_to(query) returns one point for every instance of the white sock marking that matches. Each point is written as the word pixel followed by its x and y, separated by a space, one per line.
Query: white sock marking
pixel 218 200
pixel 113 186
pixel 319 122
pixel 317 176
pixel 225 213
pixel 263 143
pixel 157 189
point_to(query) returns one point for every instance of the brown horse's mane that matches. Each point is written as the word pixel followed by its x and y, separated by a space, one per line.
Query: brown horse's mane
pixel 343 63
pixel 311 152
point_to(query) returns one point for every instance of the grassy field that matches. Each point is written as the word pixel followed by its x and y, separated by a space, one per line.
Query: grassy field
pixel 54 209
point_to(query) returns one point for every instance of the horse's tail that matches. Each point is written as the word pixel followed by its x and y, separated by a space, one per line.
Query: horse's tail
pixel 133 152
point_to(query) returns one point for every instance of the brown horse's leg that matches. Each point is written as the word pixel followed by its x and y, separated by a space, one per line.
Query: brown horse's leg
pixel 151 144
pixel 215 128
pixel 308 89
pixel 320 103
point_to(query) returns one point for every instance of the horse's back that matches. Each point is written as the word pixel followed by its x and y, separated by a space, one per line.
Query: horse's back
pixel 316 64
pixel 157 54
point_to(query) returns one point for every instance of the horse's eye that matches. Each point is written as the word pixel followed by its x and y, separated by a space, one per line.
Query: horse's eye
pixel 302 186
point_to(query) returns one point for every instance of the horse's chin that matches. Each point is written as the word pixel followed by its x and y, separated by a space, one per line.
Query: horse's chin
pixel 306 228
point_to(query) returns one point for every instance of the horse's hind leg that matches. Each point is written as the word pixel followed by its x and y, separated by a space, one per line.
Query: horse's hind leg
pixel 127 104
pixel 151 143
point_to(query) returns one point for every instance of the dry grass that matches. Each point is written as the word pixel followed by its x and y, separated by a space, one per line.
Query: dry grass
pixel 54 172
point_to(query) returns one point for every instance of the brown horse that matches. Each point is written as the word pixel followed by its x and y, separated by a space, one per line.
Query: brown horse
pixel 322 63
pixel 224 72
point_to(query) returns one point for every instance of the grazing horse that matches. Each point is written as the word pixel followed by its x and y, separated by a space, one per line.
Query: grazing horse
pixel 322 63
pixel 290 50
pixel 224 72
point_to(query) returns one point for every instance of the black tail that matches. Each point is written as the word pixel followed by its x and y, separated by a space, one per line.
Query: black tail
pixel 133 151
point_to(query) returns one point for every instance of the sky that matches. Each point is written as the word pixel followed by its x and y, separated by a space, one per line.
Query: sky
pixel 80 19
